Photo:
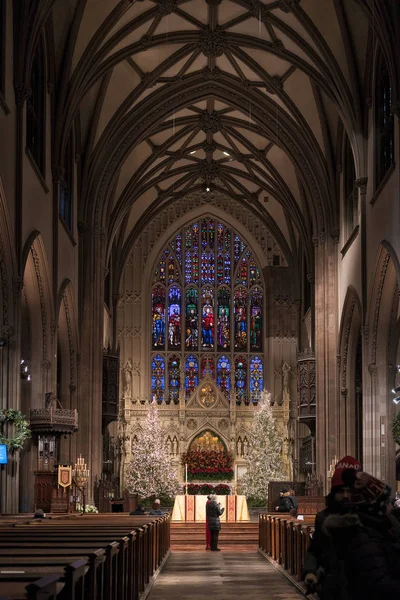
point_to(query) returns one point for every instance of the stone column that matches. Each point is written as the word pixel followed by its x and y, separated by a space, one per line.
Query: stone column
pixel 89 436
pixel 326 334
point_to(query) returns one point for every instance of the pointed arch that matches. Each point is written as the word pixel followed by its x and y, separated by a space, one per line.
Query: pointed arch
pixel 67 346
pixel 350 394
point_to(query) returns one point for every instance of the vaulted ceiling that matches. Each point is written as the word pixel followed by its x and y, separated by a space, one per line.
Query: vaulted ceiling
pixel 247 97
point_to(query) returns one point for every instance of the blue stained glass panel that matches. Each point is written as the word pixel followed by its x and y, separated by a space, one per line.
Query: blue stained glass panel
pixel 158 379
pixel 173 380
pixel 241 380
pixel 191 375
pixel 158 308
pixel 256 379
pixel 224 375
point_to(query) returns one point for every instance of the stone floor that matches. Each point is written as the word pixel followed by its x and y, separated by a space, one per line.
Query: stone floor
pixel 221 576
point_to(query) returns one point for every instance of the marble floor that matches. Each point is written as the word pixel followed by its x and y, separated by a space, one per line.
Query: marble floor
pixel 221 576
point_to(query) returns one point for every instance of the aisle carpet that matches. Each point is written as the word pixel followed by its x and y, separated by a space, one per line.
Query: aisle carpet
pixel 221 576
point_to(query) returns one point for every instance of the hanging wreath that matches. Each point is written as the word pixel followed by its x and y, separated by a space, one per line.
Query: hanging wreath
pixel 396 429
pixel 22 431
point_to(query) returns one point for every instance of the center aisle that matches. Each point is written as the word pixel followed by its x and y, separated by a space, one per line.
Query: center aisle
pixel 221 576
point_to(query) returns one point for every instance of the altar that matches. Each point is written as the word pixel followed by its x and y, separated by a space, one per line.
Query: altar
pixel 193 508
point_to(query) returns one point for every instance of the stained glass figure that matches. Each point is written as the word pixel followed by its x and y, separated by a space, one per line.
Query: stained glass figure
pixel 174 380
pixel 157 379
pixel 241 380
pixel 207 321
pixel 192 375
pixel 174 318
pixel 241 319
pixel 158 303
pixel 192 319
pixel 208 367
pixel 224 375
pixel 256 379
pixel 256 319
pixel 220 237
pixel 172 271
pixel 224 317
pixel 195 230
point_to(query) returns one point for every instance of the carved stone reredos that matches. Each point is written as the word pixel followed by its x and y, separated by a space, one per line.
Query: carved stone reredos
pixel 207 397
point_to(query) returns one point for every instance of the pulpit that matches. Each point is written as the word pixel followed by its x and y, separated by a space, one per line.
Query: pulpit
pixel 193 508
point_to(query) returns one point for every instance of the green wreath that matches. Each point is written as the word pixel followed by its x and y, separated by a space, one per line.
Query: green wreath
pixel 396 429
pixel 16 418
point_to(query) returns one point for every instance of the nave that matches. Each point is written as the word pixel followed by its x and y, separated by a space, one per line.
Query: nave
pixel 221 576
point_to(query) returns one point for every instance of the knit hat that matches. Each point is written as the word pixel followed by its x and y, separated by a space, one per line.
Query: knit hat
pixel 368 494
pixel 157 501
pixel 348 462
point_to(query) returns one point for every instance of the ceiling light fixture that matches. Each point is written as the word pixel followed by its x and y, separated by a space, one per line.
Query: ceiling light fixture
pixel 208 189
pixel 193 152
pixel 226 153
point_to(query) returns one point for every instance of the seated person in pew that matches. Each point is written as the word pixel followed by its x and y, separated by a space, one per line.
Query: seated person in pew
pixel 320 566
pixel 39 514
pixel 156 508
pixel 139 510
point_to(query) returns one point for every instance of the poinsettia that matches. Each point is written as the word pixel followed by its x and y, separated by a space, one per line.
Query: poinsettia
pixel 208 464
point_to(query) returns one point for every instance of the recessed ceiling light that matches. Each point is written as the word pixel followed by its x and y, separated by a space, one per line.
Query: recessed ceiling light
pixel 193 152
pixel 208 189
pixel 226 153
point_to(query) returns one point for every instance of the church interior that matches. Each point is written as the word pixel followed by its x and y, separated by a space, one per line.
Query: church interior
pixel 199 206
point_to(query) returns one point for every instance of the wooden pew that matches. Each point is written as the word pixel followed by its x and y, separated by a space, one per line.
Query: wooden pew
pixel 139 553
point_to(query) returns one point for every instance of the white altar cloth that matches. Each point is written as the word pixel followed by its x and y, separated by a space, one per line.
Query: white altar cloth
pixel 193 508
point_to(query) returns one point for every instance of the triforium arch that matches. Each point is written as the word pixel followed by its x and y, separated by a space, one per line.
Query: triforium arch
pixel 350 377
pixel 380 336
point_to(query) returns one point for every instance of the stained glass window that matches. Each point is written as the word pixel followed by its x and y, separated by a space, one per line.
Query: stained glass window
pixel 241 380
pixel 256 379
pixel 174 318
pixel 173 380
pixel 191 375
pixel 207 314
pixel 158 379
pixel 224 375
pixel 158 317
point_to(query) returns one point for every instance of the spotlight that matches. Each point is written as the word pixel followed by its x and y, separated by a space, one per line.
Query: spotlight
pixel 22 362
pixel 226 153
pixel 193 152
pixel 396 400
pixel 208 189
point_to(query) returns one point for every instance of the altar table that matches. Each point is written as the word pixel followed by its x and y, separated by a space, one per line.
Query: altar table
pixel 193 508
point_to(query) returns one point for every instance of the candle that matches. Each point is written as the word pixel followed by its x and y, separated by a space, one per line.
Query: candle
pixel 186 473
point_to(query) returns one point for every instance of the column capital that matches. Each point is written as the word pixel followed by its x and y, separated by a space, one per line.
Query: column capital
pixel 362 183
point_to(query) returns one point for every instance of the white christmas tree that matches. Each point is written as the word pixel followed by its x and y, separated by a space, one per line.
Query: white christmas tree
pixel 264 458
pixel 150 473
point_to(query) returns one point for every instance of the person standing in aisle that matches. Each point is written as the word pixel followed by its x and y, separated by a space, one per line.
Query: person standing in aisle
pixel 213 513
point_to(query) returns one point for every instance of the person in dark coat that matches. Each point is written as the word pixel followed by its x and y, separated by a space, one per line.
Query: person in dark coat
pixel 284 504
pixel 208 533
pixel 321 569
pixel 367 542
pixel 213 513
pixel 139 510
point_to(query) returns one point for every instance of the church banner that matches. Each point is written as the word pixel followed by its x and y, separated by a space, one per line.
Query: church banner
pixel 64 476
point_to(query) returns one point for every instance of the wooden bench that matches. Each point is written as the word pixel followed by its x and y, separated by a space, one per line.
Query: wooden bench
pixel 120 554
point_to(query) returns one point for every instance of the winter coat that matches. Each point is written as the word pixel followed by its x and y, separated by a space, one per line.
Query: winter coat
pixel 368 548
pixel 284 504
pixel 321 560
pixel 213 513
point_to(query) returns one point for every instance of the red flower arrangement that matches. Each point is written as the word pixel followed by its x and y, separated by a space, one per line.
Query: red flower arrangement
pixel 208 465
pixel 204 489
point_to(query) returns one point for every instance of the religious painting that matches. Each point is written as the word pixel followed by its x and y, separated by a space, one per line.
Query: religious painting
pixel 241 319
pixel 223 320
pixel 157 379
pixel 241 380
pixel 158 302
pixel 192 375
pixel 174 380
pixel 256 319
pixel 207 321
pixel 224 375
pixel 208 441
pixel 192 319
pixel 174 318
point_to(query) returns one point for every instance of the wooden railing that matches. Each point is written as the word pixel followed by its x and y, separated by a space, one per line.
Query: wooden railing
pixel 285 541
pixel 95 557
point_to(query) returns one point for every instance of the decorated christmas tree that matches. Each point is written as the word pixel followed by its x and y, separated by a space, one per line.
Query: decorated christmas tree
pixel 264 458
pixel 150 474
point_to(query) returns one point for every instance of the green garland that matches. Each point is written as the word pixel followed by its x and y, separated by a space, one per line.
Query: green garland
pixel 396 429
pixel 16 418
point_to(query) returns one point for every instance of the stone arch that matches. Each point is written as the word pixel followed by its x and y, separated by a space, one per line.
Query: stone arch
pixel 67 346
pixel 381 338
pixel 212 429
pixel 39 312
pixel 348 405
